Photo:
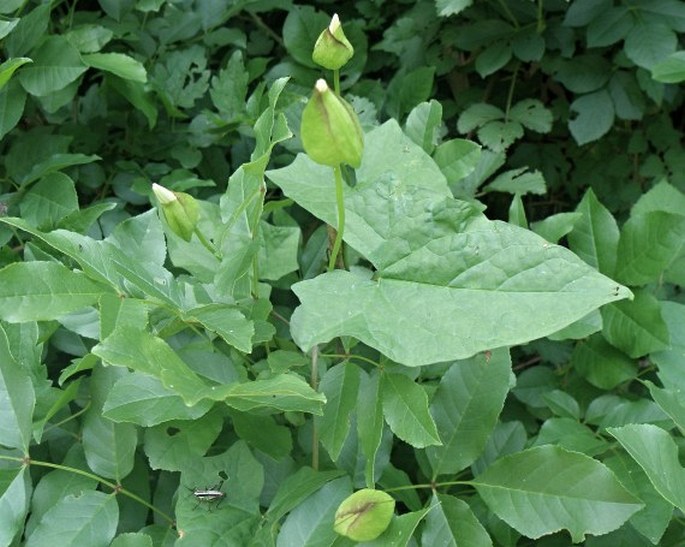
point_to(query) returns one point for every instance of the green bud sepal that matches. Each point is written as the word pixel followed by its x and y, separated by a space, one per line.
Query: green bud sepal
pixel 180 210
pixel 330 130
pixel 332 49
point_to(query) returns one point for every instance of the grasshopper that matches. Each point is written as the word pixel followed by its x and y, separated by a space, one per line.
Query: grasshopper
pixel 209 495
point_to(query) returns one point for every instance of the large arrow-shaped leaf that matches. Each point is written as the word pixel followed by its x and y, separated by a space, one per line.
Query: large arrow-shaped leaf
pixel 449 282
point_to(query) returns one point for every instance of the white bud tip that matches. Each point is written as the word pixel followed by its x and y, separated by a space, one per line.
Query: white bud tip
pixel 335 23
pixel 164 195
pixel 321 85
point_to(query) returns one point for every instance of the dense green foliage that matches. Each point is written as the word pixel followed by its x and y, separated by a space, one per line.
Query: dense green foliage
pixel 500 348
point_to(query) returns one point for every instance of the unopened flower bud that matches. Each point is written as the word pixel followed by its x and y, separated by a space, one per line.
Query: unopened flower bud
pixel 330 131
pixel 332 49
pixel 180 210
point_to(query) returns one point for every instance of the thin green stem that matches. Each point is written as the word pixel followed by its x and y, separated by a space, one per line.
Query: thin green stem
pixel 351 356
pixel 314 382
pixel 336 81
pixel 266 28
pixel 115 487
pixel 510 94
pixel 205 242
pixel 339 198
pixel 541 21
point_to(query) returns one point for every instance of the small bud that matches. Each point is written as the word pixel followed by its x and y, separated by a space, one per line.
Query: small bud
pixel 180 210
pixel 330 130
pixel 364 515
pixel 332 49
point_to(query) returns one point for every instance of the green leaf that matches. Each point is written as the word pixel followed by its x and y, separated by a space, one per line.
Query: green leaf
pixel 653 519
pixel 301 28
pixel 340 385
pixel 6 26
pixel 176 445
pixel 670 70
pixel 610 26
pixel 648 244
pixel 498 136
pixel 568 433
pixel 582 12
pixel 423 125
pixel 595 236
pixel 285 392
pixel 405 407
pixel 532 114
pixel 41 291
pixel 98 516
pixel 141 351
pixel 56 63
pixel 8 68
pixel 554 227
pixel 263 433
pixel 465 407
pixel 278 250
pixel 477 115
pixel 141 399
pixel 56 162
pixel 612 411
pixel 656 452
pixel 119 64
pixel 370 426
pixel 237 517
pixel 517 212
pixel 528 45
pixel 584 327
pixel 670 361
pixel 132 539
pixel 450 521
pixel 595 116
pixel 518 181
pixel 506 438
pixel 661 197
pixel 401 530
pixel 12 100
pixel 49 201
pixel 14 502
pixel 584 73
pixel 229 87
pixel 116 9
pixel 648 44
pixel 562 404
pixel 602 364
pixel 629 100
pixel 543 490
pixel 671 401
pixel 296 488
pixel 30 30
pixel 636 327
pixel 228 322
pixel 90 38
pixel 109 446
pixel 493 58
pixel 135 93
pixel 408 89
pixel 17 399
pixel 451 7
pixel 457 158
pixel 311 521
pixel 398 204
